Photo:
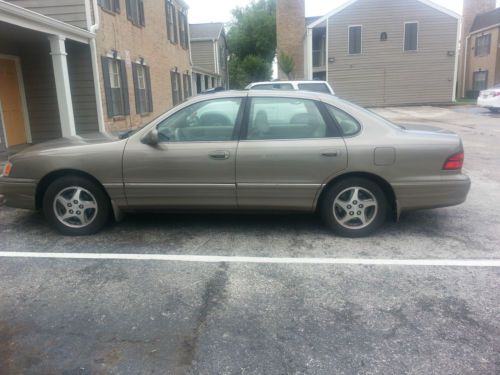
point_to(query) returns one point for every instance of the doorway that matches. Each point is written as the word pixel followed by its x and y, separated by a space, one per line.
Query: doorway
pixel 13 111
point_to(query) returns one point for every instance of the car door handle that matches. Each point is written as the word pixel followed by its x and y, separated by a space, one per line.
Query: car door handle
pixel 219 155
pixel 330 154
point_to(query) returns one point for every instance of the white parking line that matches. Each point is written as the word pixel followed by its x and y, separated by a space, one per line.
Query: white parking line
pixel 239 259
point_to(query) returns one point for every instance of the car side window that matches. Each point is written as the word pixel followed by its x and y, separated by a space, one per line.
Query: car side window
pixel 285 118
pixel 315 87
pixel 348 124
pixel 207 121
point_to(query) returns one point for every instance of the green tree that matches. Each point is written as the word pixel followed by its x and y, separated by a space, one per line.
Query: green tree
pixel 252 43
pixel 286 64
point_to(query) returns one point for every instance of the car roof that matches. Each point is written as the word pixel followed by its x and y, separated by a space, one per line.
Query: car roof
pixel 280 82
pixel 271 93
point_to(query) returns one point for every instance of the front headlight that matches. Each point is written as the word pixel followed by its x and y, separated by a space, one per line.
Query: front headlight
pixel 7 169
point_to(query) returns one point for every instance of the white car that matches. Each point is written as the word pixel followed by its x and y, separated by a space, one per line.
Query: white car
pixel 315 86
pixel 490 99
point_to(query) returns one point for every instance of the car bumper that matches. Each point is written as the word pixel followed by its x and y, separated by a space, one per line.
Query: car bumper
pixel 17 192
pixel 432 194
pixel 490 102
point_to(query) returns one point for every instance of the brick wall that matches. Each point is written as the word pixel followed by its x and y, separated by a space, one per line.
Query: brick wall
pixel 150 43
pixel 290 29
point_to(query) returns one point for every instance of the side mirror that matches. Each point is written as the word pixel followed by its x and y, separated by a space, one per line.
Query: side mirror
pixel 151 138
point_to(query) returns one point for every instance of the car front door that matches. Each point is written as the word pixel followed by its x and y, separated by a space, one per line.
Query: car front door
pixel 193 164
pixel 288 150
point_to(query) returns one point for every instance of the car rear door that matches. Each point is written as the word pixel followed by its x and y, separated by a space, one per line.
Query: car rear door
pixel 288 149
pixel 193 165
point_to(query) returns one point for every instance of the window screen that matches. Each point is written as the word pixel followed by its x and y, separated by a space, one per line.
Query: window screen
pixel 354 40
pixel 411 36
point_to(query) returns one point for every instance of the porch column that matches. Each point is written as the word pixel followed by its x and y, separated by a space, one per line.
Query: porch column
pixel 308 52
pixel 64 101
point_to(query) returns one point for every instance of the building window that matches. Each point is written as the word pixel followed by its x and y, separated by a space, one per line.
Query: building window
pixel 183 30
pixel 135 12
pixel 354 40
pixel 480 80
pixel 206 83
pixel 110 5
pixel 186 84
pixel 411 36
pixel 142 85
pixel 483 45
pixel 171 21
pixel 115 86
pixel 176 87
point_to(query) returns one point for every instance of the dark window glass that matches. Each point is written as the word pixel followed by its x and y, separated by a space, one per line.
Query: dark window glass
pixel 483 45
pixel 273 86
pixel 110 5
pixel 355 40
pixel 411 36
pixel 480 80
pixel 135 12
pixel 316 87
pixel 285 118
pixel 207 121
pixel 348 124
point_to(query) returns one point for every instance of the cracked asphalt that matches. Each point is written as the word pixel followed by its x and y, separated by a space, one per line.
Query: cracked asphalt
pixel 62 316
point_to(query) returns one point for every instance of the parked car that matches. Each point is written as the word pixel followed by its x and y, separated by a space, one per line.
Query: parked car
pixel 490 99
pixel 314 86
pixel 250 150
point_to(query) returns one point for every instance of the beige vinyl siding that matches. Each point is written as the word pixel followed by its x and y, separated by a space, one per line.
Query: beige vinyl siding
pixel 70 11
pixel 203 55
pixel 384 74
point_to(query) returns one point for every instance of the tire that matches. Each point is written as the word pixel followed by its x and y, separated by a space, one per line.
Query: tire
pixel 348 216
pixel 76 206
pixel 494 110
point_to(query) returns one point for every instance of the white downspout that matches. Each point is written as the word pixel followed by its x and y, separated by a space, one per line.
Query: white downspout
pixel 95 66
pixel 308 53
pixel 457 58
pixel 466 54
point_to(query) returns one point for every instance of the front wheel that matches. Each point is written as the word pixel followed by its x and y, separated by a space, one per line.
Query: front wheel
pixel 354 207
pixel 76 206
pixel 494 110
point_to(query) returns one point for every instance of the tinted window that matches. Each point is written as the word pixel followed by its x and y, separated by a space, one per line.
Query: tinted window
pixel 411 36
pixel 273 86
pixel 354 40
pixel 211 120
pixel 348 124
pixel 285 118
pixel 316 87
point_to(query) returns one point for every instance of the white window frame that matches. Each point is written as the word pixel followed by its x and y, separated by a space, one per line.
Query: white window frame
pixel 404 36
pixel 349 40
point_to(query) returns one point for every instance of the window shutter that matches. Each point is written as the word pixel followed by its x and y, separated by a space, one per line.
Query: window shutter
pixel 107 85
pixel 148 86
pixel 124 82
pixel 176 38
pixel 167 10
pixel 138 108
pixel 128 5
pixel 117 6
pixel 142 20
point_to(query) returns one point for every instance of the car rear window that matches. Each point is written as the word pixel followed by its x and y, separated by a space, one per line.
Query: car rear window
pixel 348 124
pixel 315 87
pixel 273 86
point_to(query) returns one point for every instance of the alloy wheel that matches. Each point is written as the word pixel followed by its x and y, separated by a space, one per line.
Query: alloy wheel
pixel 75 207
pixel 355 208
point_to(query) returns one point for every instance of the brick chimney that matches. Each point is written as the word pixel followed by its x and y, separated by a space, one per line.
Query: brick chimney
pixel 290 31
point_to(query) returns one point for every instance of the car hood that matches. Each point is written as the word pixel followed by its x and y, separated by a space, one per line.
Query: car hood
pixel 61 143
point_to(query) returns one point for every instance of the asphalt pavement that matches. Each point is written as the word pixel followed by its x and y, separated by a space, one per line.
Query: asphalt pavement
pixel 143 316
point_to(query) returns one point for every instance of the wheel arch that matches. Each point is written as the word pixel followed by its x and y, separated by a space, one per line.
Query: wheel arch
pixel 380 181
pixel 45 182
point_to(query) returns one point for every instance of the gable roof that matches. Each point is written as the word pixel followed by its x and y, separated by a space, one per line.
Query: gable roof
pixel 352 2
pixel 206 31
pixel 484 20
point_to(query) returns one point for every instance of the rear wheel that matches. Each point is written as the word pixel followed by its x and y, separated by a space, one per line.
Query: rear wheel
pixel 354 207
pixel 76 206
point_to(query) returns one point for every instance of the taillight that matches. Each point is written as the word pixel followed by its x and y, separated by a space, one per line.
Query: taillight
pixel 454 162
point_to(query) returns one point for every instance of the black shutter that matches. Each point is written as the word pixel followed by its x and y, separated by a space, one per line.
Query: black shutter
pixel 181 31
pixel 107 85
pixel 167 10
pixel 128 5
pixel 137 93
pixel 142 20
pixel 124 82
pixel 174 15
pixel 148 87
pixel 117 6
